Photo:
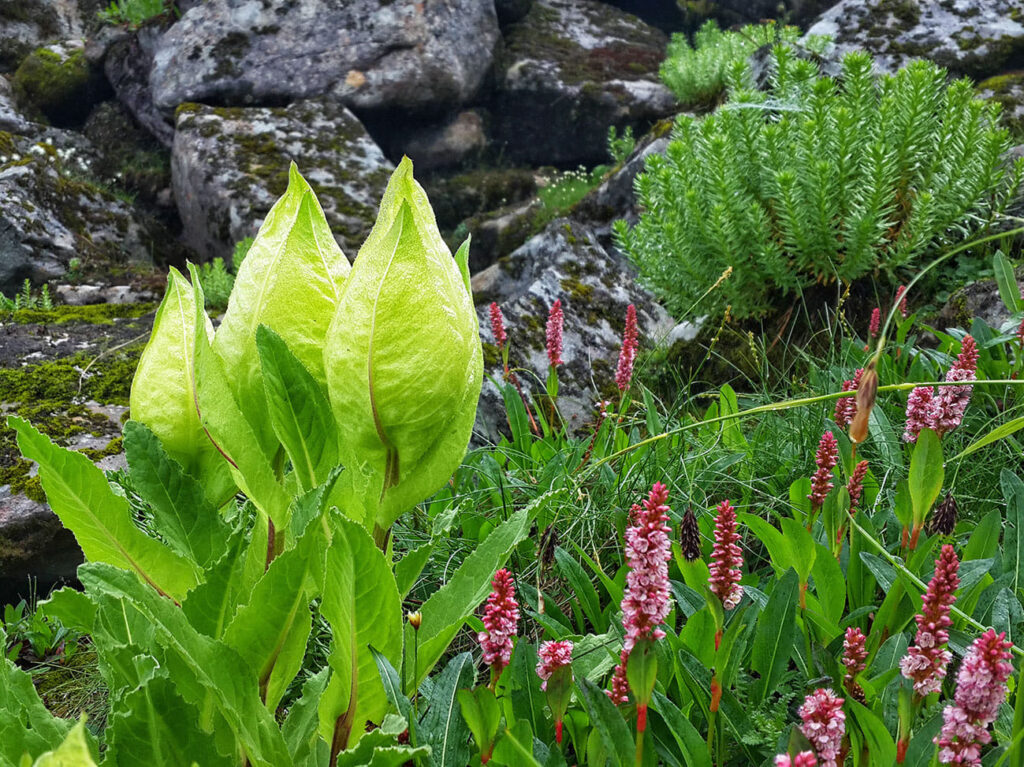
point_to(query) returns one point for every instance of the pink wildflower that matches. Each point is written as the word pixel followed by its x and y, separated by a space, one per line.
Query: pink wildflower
pixel 901 299
pixel 645 604
pixel 948 406
pixel 855 655
pixel 803 759
pixel 919 405
pixel 855 485
pixel 500 618
pixel 1020 334
pixel 627 356
pixel 846 407
pixel 824 724
pixel 980 690
pixel 876 322
pixel 826 458
pixel 498 326
pixel 554 332
pixel 551 657
pixel 926 660
pixel 726 558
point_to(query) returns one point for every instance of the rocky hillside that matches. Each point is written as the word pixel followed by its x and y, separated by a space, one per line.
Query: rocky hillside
pixel 130 144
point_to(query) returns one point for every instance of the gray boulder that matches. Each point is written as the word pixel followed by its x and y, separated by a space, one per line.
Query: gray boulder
pixel 980 299
pixel 571 69
pixel 52 214
pixel 229 165
pixel 29 24
pixel 371 54
pixel 127 66
pixel 1008 91
pixel 11 118
pixel 448 144
pixel 969 37
pixel 566 261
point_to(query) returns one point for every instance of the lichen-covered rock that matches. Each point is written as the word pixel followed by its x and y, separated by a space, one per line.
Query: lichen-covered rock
pixel 979 299
pixel 11 118
pixel 28 24
pixel 34 546
pixel 498 232
pixel 1008 91
pixel 729 12
pixel 51 214
pixel 371 54
pixel 230 164
pixel 456 198
pixel 571 69
pixel 127 65
pixel 595 285
pixel 58 83
pixel 130 156
pixel 968 37
pixel 448 144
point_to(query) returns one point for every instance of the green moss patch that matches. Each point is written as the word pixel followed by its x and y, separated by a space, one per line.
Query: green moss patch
pixel 96 314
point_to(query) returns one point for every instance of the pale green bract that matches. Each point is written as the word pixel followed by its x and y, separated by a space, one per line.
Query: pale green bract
pixel 290 281
pixel 162 395
pixel 403 357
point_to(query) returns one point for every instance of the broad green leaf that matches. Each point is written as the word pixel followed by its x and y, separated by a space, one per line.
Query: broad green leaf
pixel 162 395
pixel 773 640
pixel 448 608
pixel 75 751
pixel 582 587
pixel 443 726
pixel 409 567
pixel 26 726
pixel 200 666
pixel 290 281
pixel 301 728
pixel 523 685
pixel 380 748
pixel 879 743
pixel 829 585
pixel 482 713
pixel 607 720
pixel 100 519
pixel 392 685
pixel 71 607
pixel 298 409
pixel 926 473
pixel 153 726
pixel 189 523
pixel 221 417
pixel 403 356
pixel 361 603
pixel 1013 537
pixel 695 752
pixel 732 433
pixel 515 747
pixel 1006 281
pixel 211 605
pixel 271 630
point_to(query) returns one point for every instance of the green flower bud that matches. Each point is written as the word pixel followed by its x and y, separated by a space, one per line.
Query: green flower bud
pixel 403 357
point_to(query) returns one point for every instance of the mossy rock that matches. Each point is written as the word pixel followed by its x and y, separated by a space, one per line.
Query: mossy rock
pixel 58 84
pixel 1007 90
pixel 462 196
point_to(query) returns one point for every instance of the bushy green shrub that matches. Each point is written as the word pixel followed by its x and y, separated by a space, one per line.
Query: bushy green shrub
pixel 697 73
pixel 817 180
pixel 218 279
pixel 27 299
pixel 132 13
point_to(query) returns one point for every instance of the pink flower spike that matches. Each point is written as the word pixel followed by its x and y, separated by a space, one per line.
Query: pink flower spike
pixel 1020 334
pixel 876 322
pixel 824 724
pixel 803 759
pixel 498 326
pixel 980 690
pixel 846 407
pixel 726 558
pixel 855 655
pixel 500 618
pixel 551 657
pixel 645 604
pixel 919 406
pixel 926 661
pixel 627 356
pixel 901 299
pixel 554 333
pixel 855 485
pixel 826 458
pixel 948 406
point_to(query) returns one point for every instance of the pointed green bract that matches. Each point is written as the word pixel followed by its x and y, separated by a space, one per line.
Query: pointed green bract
pixel 162 395
pixel 73 752
pixel 403 356
pixel 290 281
